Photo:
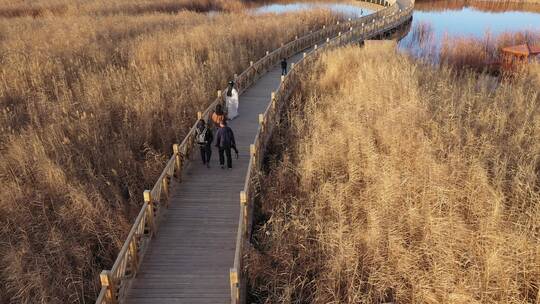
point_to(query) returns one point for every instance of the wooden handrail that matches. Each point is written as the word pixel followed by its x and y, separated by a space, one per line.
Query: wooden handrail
pixel 358 30
pixel 116 282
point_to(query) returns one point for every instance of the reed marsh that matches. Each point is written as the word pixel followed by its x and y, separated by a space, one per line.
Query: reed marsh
pixel 92 96
pixel 422 188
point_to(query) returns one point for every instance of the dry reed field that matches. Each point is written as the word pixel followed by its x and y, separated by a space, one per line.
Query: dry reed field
pixel 90 105
pixel 42 8
pixel 391 181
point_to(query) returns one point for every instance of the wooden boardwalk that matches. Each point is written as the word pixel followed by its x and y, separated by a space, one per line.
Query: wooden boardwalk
pixel 188 261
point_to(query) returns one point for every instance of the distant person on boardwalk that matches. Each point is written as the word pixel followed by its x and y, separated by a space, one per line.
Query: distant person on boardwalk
pixel 225 142
pixel 204 137
pixel 218 116
pixel 231 100
pixel 284 66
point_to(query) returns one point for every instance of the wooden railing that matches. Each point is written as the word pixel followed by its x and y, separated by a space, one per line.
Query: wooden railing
pixel 116 282
pixel 359 30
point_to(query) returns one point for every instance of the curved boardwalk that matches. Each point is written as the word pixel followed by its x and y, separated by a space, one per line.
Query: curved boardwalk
pixel 188 261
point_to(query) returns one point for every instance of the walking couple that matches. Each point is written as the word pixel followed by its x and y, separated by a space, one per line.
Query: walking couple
pixel 225 136
pixel 225 142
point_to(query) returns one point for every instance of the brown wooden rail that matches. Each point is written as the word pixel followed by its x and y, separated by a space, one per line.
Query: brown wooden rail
pixel 115 282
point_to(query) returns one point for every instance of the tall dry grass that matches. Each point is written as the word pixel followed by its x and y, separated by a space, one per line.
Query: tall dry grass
pixel 89 108
pixel 396 182
pixel 43 8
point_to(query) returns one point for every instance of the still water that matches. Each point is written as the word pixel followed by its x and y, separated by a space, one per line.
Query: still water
pixel 455 19
pixel 347 10
pixel 443 18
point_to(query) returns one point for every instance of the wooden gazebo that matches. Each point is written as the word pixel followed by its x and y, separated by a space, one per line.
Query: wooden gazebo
pixel 523 50
pixel 517 55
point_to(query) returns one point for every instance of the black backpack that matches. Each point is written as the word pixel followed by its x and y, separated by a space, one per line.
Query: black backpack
pixel 201 136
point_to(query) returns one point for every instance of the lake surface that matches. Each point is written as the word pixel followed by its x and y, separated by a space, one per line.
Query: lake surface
pixel 348 10
pixel 450 18
pixel 456 19
pixel 434 21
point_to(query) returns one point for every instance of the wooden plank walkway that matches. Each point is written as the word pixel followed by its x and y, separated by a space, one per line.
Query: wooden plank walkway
pixel 188 261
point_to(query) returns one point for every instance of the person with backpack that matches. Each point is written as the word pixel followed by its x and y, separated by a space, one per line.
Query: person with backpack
pixel 284 67
pixel 225 142
pixel 204 138
pixel 231 101
pixel 218 116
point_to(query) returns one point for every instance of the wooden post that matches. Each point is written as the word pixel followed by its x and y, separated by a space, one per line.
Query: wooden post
pixel 133 250
pixel 235 292
pixel 178 162
pixel 244 206
pixel 149 211
pixel 243 197
pixel 261 123
pixel 165 188
pixel 252 150
pixel 107 282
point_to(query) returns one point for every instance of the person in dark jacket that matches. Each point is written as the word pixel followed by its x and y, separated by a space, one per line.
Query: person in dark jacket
pixel 204 138
pixel 284 66
pixel 225 142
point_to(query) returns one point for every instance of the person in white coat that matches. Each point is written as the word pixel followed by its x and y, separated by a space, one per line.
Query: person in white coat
pixel 231 101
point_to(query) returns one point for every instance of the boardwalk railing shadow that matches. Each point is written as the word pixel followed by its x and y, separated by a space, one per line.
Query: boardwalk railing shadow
pixel 116 282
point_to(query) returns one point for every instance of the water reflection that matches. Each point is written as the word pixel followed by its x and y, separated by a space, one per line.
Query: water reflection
pixel 464 21
pixel 347 10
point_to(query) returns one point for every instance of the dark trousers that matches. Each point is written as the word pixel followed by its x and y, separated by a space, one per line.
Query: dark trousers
pixel 283 70
pixel 206 153
pixel 225 151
